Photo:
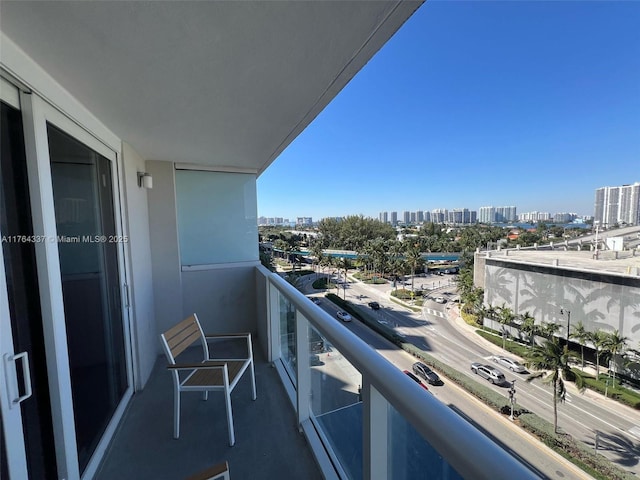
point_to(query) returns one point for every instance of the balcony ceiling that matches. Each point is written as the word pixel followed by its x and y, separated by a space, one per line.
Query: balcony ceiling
pixel 223 84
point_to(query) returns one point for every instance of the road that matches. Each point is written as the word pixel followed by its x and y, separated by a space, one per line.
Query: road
pixel 440 332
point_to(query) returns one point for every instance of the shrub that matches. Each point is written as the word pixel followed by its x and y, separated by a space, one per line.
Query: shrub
pixel 320 284
pixel 511 346
pixel 617 392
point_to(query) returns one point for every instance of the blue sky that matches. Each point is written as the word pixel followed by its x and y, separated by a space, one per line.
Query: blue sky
pixel 471 104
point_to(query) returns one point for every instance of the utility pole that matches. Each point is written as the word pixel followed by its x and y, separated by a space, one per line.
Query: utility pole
pixel 564 311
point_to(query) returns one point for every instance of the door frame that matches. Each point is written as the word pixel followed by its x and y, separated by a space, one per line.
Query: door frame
pixel 11 414
pixel 36 113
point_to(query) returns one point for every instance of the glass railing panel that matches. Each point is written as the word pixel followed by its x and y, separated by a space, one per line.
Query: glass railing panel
pixel 287 314
pixel 336 403
pixel 410 455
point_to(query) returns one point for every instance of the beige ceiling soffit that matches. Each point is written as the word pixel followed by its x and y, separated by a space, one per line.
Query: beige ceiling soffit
pixel 217 168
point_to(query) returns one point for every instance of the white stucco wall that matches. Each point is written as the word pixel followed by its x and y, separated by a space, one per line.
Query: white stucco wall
pixel 599 301
pixel 142 311
pixel 165 257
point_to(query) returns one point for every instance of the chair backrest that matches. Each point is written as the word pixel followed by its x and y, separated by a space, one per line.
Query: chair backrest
pixel 181 336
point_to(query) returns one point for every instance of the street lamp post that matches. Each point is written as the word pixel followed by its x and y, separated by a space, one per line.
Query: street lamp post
pixel 564 311
pixel 512 397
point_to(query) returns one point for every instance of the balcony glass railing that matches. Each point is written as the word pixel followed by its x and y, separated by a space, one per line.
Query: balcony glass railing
pixel 362 416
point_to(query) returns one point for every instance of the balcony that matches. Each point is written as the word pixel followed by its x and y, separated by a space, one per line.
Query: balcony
pixel 360 417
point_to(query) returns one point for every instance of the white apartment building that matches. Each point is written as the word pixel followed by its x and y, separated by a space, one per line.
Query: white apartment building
pixel 534 217
pixel 617 205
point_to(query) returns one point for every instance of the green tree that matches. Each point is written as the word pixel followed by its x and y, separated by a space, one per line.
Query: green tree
pixel 581 334
pixel 352 232
pixel 413 258
pixel 615 344
pixel 505 317
pixel 599 340
pixel 529 326
pixel 266 260
pixel 318 255
pixel 553 362
pixel 549 329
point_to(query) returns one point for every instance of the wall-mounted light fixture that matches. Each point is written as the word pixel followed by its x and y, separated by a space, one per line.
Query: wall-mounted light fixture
pixel 145 180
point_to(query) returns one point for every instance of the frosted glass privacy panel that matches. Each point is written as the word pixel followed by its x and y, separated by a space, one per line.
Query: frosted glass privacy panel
pixel 217 217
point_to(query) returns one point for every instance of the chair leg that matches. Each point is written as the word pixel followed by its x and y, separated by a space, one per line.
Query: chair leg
pixel 227 399
pixel 253 381
pixel 176 413
pixel 205 395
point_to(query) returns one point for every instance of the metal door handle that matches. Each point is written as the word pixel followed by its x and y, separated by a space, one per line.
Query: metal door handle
pixel 16 398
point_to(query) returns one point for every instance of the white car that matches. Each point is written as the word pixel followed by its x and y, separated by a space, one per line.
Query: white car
pixel 440 300
pixel 510 363
pixel 344 316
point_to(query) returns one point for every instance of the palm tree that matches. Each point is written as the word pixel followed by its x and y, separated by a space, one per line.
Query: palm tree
pixel 413 258
pixel 553 361
pixel 505 317
pixel 316 251
pixel 548 329
pixel 599 340
pixel 615 344
pixel 582 335
pixel 529 326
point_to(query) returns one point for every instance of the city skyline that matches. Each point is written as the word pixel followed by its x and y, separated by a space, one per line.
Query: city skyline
pixel 486 215
pixel 456 110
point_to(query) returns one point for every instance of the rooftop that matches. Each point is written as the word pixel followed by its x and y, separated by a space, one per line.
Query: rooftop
pixel 625 262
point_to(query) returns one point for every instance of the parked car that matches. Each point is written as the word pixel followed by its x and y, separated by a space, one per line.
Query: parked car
pixel 510 363
pixel 421 370
pixel 441 300
pixel 415 379
pixel 374 305
pixel 492 374
pixel 344 316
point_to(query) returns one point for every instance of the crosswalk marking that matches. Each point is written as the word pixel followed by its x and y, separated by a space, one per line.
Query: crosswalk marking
pixel 435 313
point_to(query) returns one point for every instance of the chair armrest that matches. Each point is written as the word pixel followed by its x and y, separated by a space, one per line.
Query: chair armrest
pixel 227 335
pixel 225 360
pixel 196 366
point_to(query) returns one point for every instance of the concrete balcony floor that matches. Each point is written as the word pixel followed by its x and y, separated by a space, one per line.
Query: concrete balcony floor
pixel 268 444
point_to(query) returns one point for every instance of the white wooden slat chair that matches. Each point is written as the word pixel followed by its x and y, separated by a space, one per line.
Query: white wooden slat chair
pixel 217 472
pixel 213 374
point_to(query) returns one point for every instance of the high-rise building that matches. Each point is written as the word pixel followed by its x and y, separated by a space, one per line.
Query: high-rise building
pixel 498 214
pixel 384 217
pixel 487 214
pixel 394 218
pixel 419 216
pixel 534 217
pixel 427 216
pixel 304 221
pixel 615 205
pixel 439 215
pixel 406 217
pixel 564 217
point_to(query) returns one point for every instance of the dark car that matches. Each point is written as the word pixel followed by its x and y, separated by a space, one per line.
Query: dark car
pixel 374 305
pixel 421 370
pixel 415 379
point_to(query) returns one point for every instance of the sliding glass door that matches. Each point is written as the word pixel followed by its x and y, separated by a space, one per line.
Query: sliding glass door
pixel 88 245
pixel 26 441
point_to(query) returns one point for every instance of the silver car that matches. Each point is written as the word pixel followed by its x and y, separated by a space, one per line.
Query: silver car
pixel 492 374
pixel 510 363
